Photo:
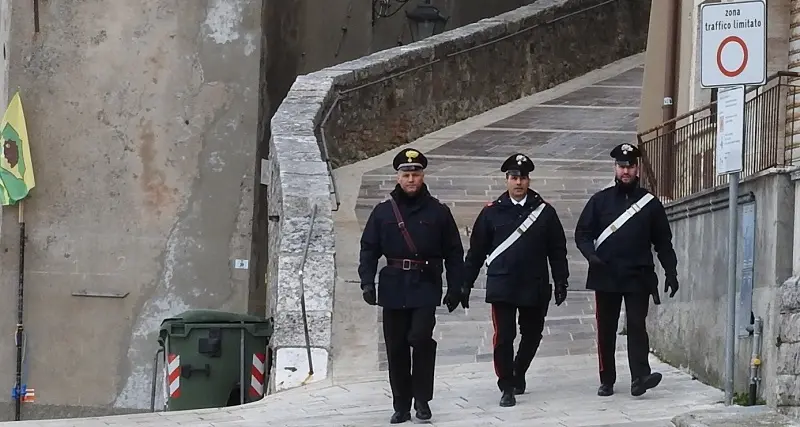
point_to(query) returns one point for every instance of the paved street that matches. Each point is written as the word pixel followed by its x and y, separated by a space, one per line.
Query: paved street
pixel 560 395
pixel 568 131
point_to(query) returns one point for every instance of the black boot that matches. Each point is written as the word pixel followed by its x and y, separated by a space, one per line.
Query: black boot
pixel 423 410
pixel 605 390
pixel 400 417
pixel 642 384
pixel 508 399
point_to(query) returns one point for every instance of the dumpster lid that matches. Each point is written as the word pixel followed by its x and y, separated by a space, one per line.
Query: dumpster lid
pixel 212 316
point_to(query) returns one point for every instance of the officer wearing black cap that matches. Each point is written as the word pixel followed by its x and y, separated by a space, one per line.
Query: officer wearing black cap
pixel 419 238
pixel 515 236
pixel 615 232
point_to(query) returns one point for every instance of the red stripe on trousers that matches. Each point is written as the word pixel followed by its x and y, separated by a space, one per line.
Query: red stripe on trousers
pixel 494 341
pixel 597 326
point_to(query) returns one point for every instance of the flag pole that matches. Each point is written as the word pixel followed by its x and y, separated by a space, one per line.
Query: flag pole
pixel 20 288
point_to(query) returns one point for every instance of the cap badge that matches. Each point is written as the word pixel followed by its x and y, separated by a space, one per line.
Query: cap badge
pixel 411 155
pixel 626 148
pixel 520 158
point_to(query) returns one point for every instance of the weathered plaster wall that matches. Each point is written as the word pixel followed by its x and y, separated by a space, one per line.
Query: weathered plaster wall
pixel 142 118
pixel 5 27
pixel 370 120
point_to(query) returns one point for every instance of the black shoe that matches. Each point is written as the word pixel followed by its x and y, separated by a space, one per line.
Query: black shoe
pixel 508 399
pixel 400 417
pixel 641 385
pixel 605 390
pixel 423 410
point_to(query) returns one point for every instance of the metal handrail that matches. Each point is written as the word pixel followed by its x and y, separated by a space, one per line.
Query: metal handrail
pixel 680 143
pixel 710 104
pixel 303 293
pixel 341 93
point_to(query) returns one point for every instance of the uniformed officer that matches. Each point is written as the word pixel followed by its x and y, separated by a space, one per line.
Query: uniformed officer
pixel 417 234
pixel 614 233
pixel 515 236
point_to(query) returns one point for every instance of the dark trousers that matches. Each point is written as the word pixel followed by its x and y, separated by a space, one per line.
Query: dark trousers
pixel 410 375
pixel 511 370
pixel 607 308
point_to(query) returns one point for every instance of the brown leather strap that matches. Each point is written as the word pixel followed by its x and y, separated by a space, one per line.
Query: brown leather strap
pixel 402 226
pixel 406 264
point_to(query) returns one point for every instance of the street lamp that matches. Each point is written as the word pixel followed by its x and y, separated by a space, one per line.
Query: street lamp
pixel 425 21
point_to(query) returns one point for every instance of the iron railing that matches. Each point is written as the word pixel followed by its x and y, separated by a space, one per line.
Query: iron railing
pixel 679 157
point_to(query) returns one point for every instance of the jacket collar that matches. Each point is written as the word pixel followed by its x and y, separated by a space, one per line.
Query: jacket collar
pixel 533 200
pixel 401 197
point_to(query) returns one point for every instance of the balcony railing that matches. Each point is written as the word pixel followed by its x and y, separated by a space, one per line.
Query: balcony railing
pixel 679 156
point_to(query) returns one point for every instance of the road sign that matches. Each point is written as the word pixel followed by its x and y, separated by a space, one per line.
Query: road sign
pixel 730 129
pixel 733 43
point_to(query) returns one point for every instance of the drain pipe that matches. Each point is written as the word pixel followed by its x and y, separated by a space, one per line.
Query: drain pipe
pixel 792 139
pixel 755 359
pixel 669 106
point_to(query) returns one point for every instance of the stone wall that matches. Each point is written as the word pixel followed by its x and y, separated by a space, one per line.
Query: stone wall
pixel 787 362
pixel 443 82
pixel 689 330
pixel 367 106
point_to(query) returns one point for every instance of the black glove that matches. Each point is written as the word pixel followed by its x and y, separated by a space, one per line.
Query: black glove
pixel 465 291
pixel 671 283
pixel 451 299
pixel 561 292
pixel 369 294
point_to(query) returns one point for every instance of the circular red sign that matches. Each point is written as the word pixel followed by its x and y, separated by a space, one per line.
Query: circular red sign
pixel 725 71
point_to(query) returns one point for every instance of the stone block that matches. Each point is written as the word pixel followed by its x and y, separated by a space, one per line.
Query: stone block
pixel 295 231
pixel 295 148
pixel 789 328
pixel 787 390
pixel 311 168
pixel 338 76
pixel 316 282
pixel 787 359
pixel 291 367
pixel 289 330
pixel 789 295
pixel 298 118
pixel 314 83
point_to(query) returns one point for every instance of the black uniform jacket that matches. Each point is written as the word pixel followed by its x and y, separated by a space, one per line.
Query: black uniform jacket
pixel 519 275
pixel 434 233
pixel 627 252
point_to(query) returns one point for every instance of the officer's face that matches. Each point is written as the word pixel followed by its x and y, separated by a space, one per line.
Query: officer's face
pixel 410 181
pixel 626 174
pixel 517 185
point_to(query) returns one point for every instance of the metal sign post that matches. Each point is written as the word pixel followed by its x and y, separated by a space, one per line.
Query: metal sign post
pixel 730 139
pixel 733 49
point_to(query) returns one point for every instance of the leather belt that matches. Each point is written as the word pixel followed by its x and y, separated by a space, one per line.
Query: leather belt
pixel 406 264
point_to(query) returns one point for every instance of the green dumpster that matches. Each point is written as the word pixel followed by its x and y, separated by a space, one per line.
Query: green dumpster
pixel 214 358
